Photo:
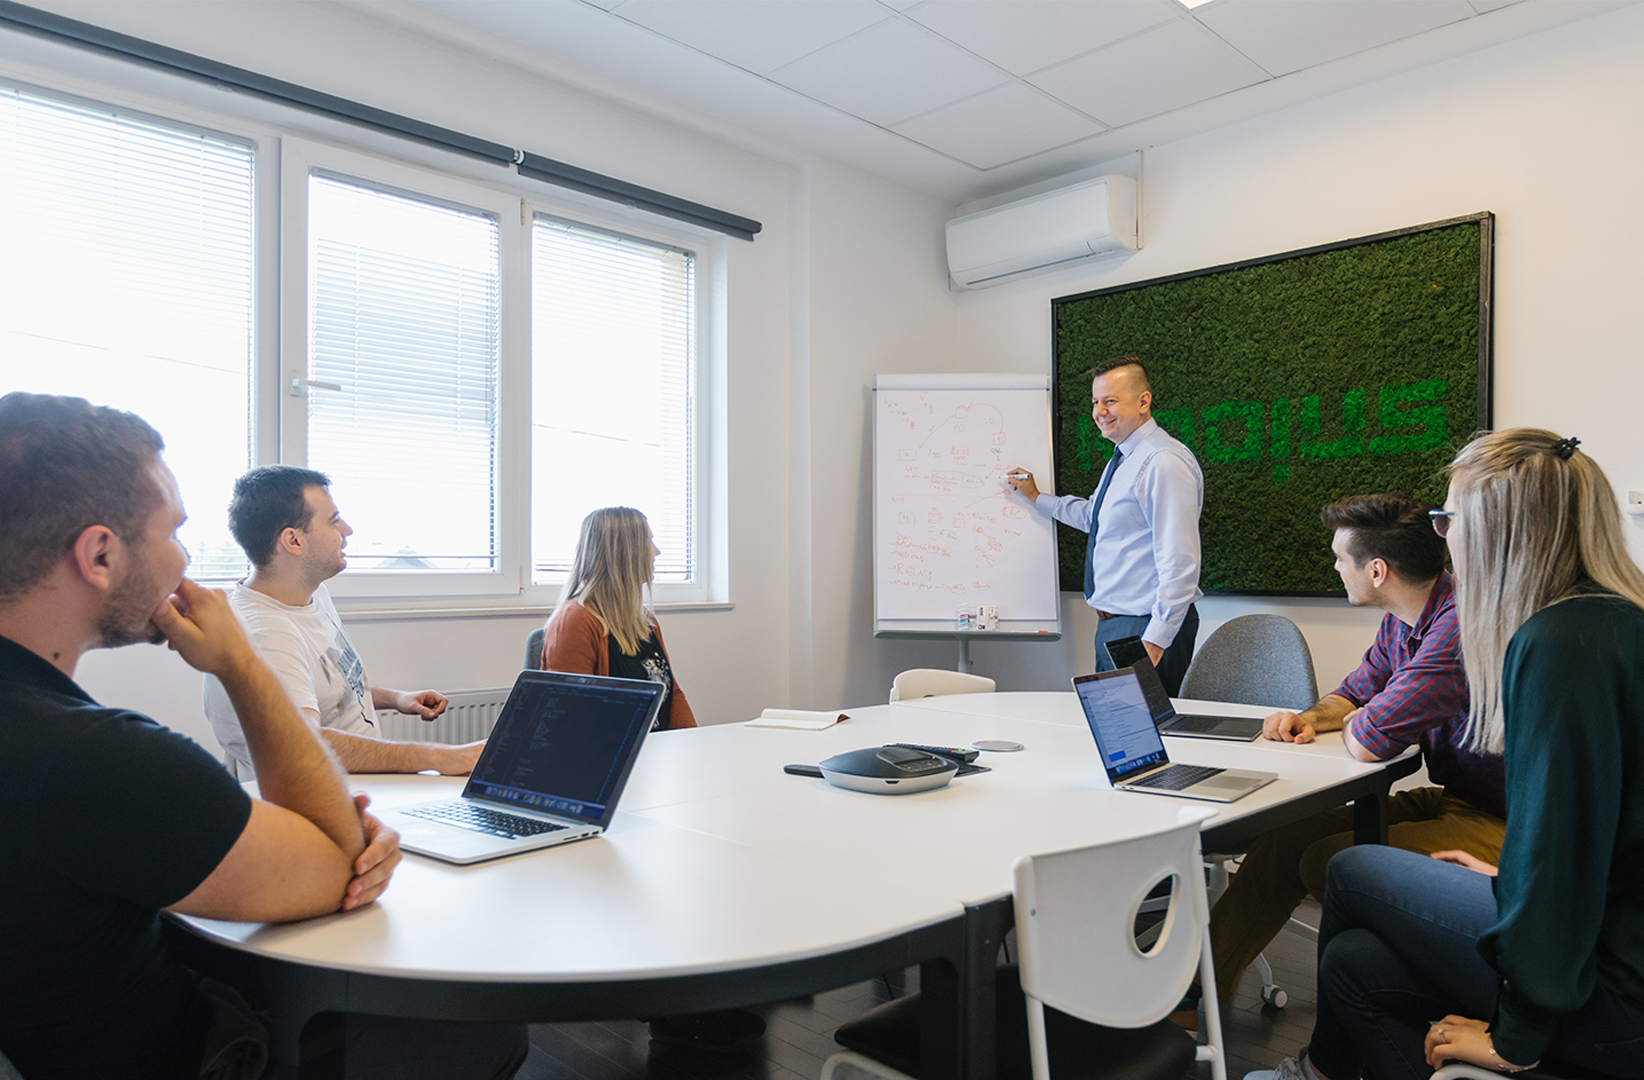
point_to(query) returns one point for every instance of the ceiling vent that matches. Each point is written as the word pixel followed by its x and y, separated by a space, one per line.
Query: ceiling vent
pixel 1085 221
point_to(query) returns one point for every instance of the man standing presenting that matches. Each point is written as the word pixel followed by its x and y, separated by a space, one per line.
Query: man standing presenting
pixel 1409 690
pixel 291 531
pixel 111 818
pixel 1142 560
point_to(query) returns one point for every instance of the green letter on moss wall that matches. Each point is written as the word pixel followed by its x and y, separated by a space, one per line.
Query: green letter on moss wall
pixel 1431 417
pixel 1084 442
pixel 1179 422
pixel 1249 414
pixel 1351 442
pixel 1281 439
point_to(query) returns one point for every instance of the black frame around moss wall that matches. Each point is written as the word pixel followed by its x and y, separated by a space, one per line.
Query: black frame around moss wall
pixel 1347 368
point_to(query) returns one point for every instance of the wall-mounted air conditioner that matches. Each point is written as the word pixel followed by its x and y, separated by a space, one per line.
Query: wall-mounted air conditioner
pixel 1085 221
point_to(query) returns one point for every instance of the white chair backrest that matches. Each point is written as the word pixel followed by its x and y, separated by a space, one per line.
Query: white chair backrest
pixel 937 682
pixel 1075 926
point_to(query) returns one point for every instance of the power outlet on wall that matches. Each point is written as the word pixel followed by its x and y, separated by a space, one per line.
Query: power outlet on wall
pixel 1635 503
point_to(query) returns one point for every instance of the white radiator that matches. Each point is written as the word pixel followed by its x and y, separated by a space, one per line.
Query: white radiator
pixel 468 718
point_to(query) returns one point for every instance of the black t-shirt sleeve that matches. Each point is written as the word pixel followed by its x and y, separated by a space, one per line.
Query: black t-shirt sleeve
pixel 144 813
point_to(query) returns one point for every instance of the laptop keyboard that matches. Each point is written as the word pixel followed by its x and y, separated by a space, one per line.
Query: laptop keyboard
pixel 466 815
pixel 1177 777
pixel 1194 723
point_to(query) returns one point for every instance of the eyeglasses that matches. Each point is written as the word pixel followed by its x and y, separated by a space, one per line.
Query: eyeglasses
pixel 1441 520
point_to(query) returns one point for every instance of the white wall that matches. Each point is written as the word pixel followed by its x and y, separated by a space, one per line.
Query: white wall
pixel 1544 131
pixel 847 281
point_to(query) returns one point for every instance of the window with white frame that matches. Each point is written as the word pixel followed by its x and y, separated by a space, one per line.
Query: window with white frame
pixel 404 349
pixel 613 373
pixel 475 368
pixel 126 278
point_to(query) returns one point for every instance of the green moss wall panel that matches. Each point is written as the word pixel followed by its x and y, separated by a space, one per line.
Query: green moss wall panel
pixel 1350 368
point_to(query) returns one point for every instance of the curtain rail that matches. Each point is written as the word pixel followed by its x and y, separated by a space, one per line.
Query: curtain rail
pixel 44 24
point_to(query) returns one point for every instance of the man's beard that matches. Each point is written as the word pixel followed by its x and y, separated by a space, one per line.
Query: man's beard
pixel 128 617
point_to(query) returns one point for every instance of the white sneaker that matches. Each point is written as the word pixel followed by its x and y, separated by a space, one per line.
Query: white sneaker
pixel 1289 1069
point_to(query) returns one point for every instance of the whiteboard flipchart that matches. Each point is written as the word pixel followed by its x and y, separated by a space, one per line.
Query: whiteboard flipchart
pixel 948 530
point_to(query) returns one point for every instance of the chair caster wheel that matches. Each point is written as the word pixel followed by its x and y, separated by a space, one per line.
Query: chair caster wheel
pixel 1275 996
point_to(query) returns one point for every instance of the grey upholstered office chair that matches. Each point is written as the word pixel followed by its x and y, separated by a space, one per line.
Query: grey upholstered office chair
pixel 533 649
pixel 936 682
pixel 1254 660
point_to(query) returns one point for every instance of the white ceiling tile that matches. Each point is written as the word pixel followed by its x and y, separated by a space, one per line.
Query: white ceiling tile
pixel 1026 35
pixel 1165 68
pixel 1481 6
pixel 756 35
pixel 577 43
pixel 889 72
pixel 1284 36
pixel 903 5
pixel 1003 125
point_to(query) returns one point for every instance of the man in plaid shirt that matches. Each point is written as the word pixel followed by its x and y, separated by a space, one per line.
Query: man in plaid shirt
pixel 1410 690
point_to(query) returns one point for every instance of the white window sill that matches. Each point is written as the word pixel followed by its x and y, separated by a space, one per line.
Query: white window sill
pixel 427 610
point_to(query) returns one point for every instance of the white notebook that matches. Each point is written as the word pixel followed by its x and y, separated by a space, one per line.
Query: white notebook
pixel 798 719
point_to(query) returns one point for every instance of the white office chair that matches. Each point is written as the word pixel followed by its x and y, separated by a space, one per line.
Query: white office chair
pixel 937 682
pixel 1108 997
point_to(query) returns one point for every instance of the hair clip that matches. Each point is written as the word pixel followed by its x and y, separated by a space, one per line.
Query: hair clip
pixel 1565 447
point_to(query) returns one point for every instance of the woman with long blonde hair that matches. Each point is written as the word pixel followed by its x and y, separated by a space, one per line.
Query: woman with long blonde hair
pixel 603 625
pixel 1542 956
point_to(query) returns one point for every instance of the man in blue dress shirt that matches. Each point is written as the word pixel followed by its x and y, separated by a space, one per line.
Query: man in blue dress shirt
pixel 1142 561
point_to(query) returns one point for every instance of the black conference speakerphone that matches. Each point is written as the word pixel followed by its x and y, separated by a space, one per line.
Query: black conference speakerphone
pixel 963 756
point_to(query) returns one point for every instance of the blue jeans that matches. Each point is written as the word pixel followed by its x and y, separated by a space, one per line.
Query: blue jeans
pixel 1398 949
pixel 1172 666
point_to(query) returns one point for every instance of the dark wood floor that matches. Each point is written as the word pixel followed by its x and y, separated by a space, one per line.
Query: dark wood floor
pixel 799 1034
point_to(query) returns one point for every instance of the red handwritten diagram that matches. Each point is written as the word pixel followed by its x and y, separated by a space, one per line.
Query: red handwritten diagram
pixel 950 530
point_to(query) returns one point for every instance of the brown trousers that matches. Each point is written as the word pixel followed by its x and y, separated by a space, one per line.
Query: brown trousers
pixel 1287 865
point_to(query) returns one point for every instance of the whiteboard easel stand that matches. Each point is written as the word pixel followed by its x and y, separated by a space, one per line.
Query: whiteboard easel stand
pixel 965 637
pixel 913 407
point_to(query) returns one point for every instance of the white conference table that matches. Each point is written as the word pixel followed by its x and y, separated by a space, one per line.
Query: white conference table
pixel 724 881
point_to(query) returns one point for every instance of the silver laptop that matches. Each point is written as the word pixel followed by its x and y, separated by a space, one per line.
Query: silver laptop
pixel 1131 653
pixel 1133 752
pixel 551 772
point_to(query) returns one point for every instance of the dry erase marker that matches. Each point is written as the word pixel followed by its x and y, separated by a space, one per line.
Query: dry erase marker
pixel 1019 475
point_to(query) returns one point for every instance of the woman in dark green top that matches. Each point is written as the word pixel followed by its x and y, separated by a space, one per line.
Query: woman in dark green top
pixel 1545 959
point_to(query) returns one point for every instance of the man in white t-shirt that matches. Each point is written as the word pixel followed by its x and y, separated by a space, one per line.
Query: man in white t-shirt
pixel 290 528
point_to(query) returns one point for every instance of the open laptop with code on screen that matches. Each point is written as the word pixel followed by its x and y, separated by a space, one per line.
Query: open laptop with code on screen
pixel 551 772
pixel 1133 752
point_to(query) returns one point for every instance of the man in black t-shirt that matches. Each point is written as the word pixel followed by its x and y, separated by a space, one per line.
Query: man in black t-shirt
pixel 110 818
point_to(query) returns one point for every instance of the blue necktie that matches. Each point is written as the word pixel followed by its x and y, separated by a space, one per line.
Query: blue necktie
pixel 1096 509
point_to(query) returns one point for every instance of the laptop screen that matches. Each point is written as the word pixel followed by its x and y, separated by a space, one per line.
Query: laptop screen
pixel 1131 653
pixel 564 744
pixel 1117 712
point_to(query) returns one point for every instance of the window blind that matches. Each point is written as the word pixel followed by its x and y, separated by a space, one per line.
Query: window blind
pixel 127 280
pixel 613 381
pixel 404 346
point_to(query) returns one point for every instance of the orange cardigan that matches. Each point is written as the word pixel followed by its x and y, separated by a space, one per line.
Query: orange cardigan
pixel 576 641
